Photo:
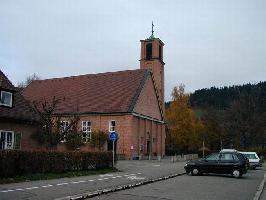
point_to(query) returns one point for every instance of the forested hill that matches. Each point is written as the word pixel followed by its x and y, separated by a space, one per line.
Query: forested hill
pixel 222 98
pixel 231 117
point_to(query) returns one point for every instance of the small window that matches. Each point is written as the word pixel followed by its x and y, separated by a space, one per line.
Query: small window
pixel 6 140
pixel 64 129
pixel 6 99
pixel 112 126
pixel 149 51
pixel 86 131
pixel 64 125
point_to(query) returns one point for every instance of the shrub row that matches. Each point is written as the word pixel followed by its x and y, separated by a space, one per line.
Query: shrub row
pixel 13 163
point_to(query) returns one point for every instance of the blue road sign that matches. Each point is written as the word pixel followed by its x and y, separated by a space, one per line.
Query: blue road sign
pixel 113 136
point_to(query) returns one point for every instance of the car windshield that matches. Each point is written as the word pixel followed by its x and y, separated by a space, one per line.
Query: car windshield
pixel 251 156
pixel 213 156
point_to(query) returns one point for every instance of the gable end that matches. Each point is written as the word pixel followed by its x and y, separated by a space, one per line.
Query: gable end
pixel 136 96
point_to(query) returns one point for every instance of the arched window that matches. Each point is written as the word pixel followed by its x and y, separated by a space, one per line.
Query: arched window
pixel 149 51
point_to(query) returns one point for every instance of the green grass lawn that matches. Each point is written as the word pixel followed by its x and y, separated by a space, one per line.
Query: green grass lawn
pixel 48 176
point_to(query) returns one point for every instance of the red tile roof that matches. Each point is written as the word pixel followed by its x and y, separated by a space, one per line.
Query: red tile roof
pixel 111 92
pixel 20 109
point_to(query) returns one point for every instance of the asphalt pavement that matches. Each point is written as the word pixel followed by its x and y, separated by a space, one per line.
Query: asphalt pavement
pixel 130 172
pixel 187 187
pixel 134 172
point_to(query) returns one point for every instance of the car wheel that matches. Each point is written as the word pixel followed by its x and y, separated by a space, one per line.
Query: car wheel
pixel 236 173
pixel 195 171
pixel 253 168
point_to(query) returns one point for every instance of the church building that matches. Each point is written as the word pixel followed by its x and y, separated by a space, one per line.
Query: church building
pixel 130 102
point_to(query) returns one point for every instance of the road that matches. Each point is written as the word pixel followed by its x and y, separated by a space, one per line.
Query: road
pixel 130 172
pixel 181 187
pixel 194 188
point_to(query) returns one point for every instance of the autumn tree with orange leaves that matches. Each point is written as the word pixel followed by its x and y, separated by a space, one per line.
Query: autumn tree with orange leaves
pixel 184 130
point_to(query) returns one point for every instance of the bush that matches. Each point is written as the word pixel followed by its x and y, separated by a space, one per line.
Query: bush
pixel 13 163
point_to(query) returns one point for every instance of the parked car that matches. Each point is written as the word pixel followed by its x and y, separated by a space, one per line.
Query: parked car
pixel 254 160
pixel 233 163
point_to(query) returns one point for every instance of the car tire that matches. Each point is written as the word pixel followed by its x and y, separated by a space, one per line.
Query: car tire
pixel 195 171
pixel 236 173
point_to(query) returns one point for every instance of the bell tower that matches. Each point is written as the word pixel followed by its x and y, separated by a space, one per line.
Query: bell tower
pixel 152 58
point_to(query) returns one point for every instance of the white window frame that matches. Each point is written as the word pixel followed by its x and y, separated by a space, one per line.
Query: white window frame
pixel 8 145
pixel 111 127
pixel 11 99
pixel 86 128
pixel 63 128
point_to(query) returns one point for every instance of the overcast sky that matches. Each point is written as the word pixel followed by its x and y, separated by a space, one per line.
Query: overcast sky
pixel 207 42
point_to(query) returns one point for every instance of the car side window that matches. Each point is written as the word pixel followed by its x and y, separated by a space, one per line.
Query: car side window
pixel 235 157
pixel 226 157
pixel 212 157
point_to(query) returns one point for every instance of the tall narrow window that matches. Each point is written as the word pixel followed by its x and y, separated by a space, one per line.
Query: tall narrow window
pixel 149 51
pixel 86 131
pixel 6 99
pixel 112 126
pixel 6 140
pixel 64 129
pixel 160 52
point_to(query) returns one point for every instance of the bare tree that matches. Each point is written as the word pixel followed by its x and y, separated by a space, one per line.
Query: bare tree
pixel 28 80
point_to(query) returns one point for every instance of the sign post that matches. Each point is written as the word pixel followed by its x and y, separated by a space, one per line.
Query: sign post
pixel 113 136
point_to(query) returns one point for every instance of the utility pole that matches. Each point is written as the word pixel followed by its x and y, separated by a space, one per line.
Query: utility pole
pixel 203 147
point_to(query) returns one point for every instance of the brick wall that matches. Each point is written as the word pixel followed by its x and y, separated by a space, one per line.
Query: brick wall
pixel 147 103
pixel 26 130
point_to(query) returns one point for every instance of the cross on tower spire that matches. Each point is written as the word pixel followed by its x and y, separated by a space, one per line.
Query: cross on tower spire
pixel 152 25
pixel 152 31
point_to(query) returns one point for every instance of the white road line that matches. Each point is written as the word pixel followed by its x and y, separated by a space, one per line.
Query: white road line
pixel 73 182
pixel 139 173
pixel 62 184
pixel 7 191
pixel 46 186
pixel 19 189
pixel 103 175
pixel 31 188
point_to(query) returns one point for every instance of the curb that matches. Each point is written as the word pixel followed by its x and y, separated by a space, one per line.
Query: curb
pixel 260 188
pixel 118 188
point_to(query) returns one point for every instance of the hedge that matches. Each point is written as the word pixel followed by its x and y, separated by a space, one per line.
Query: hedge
pixel 13 163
